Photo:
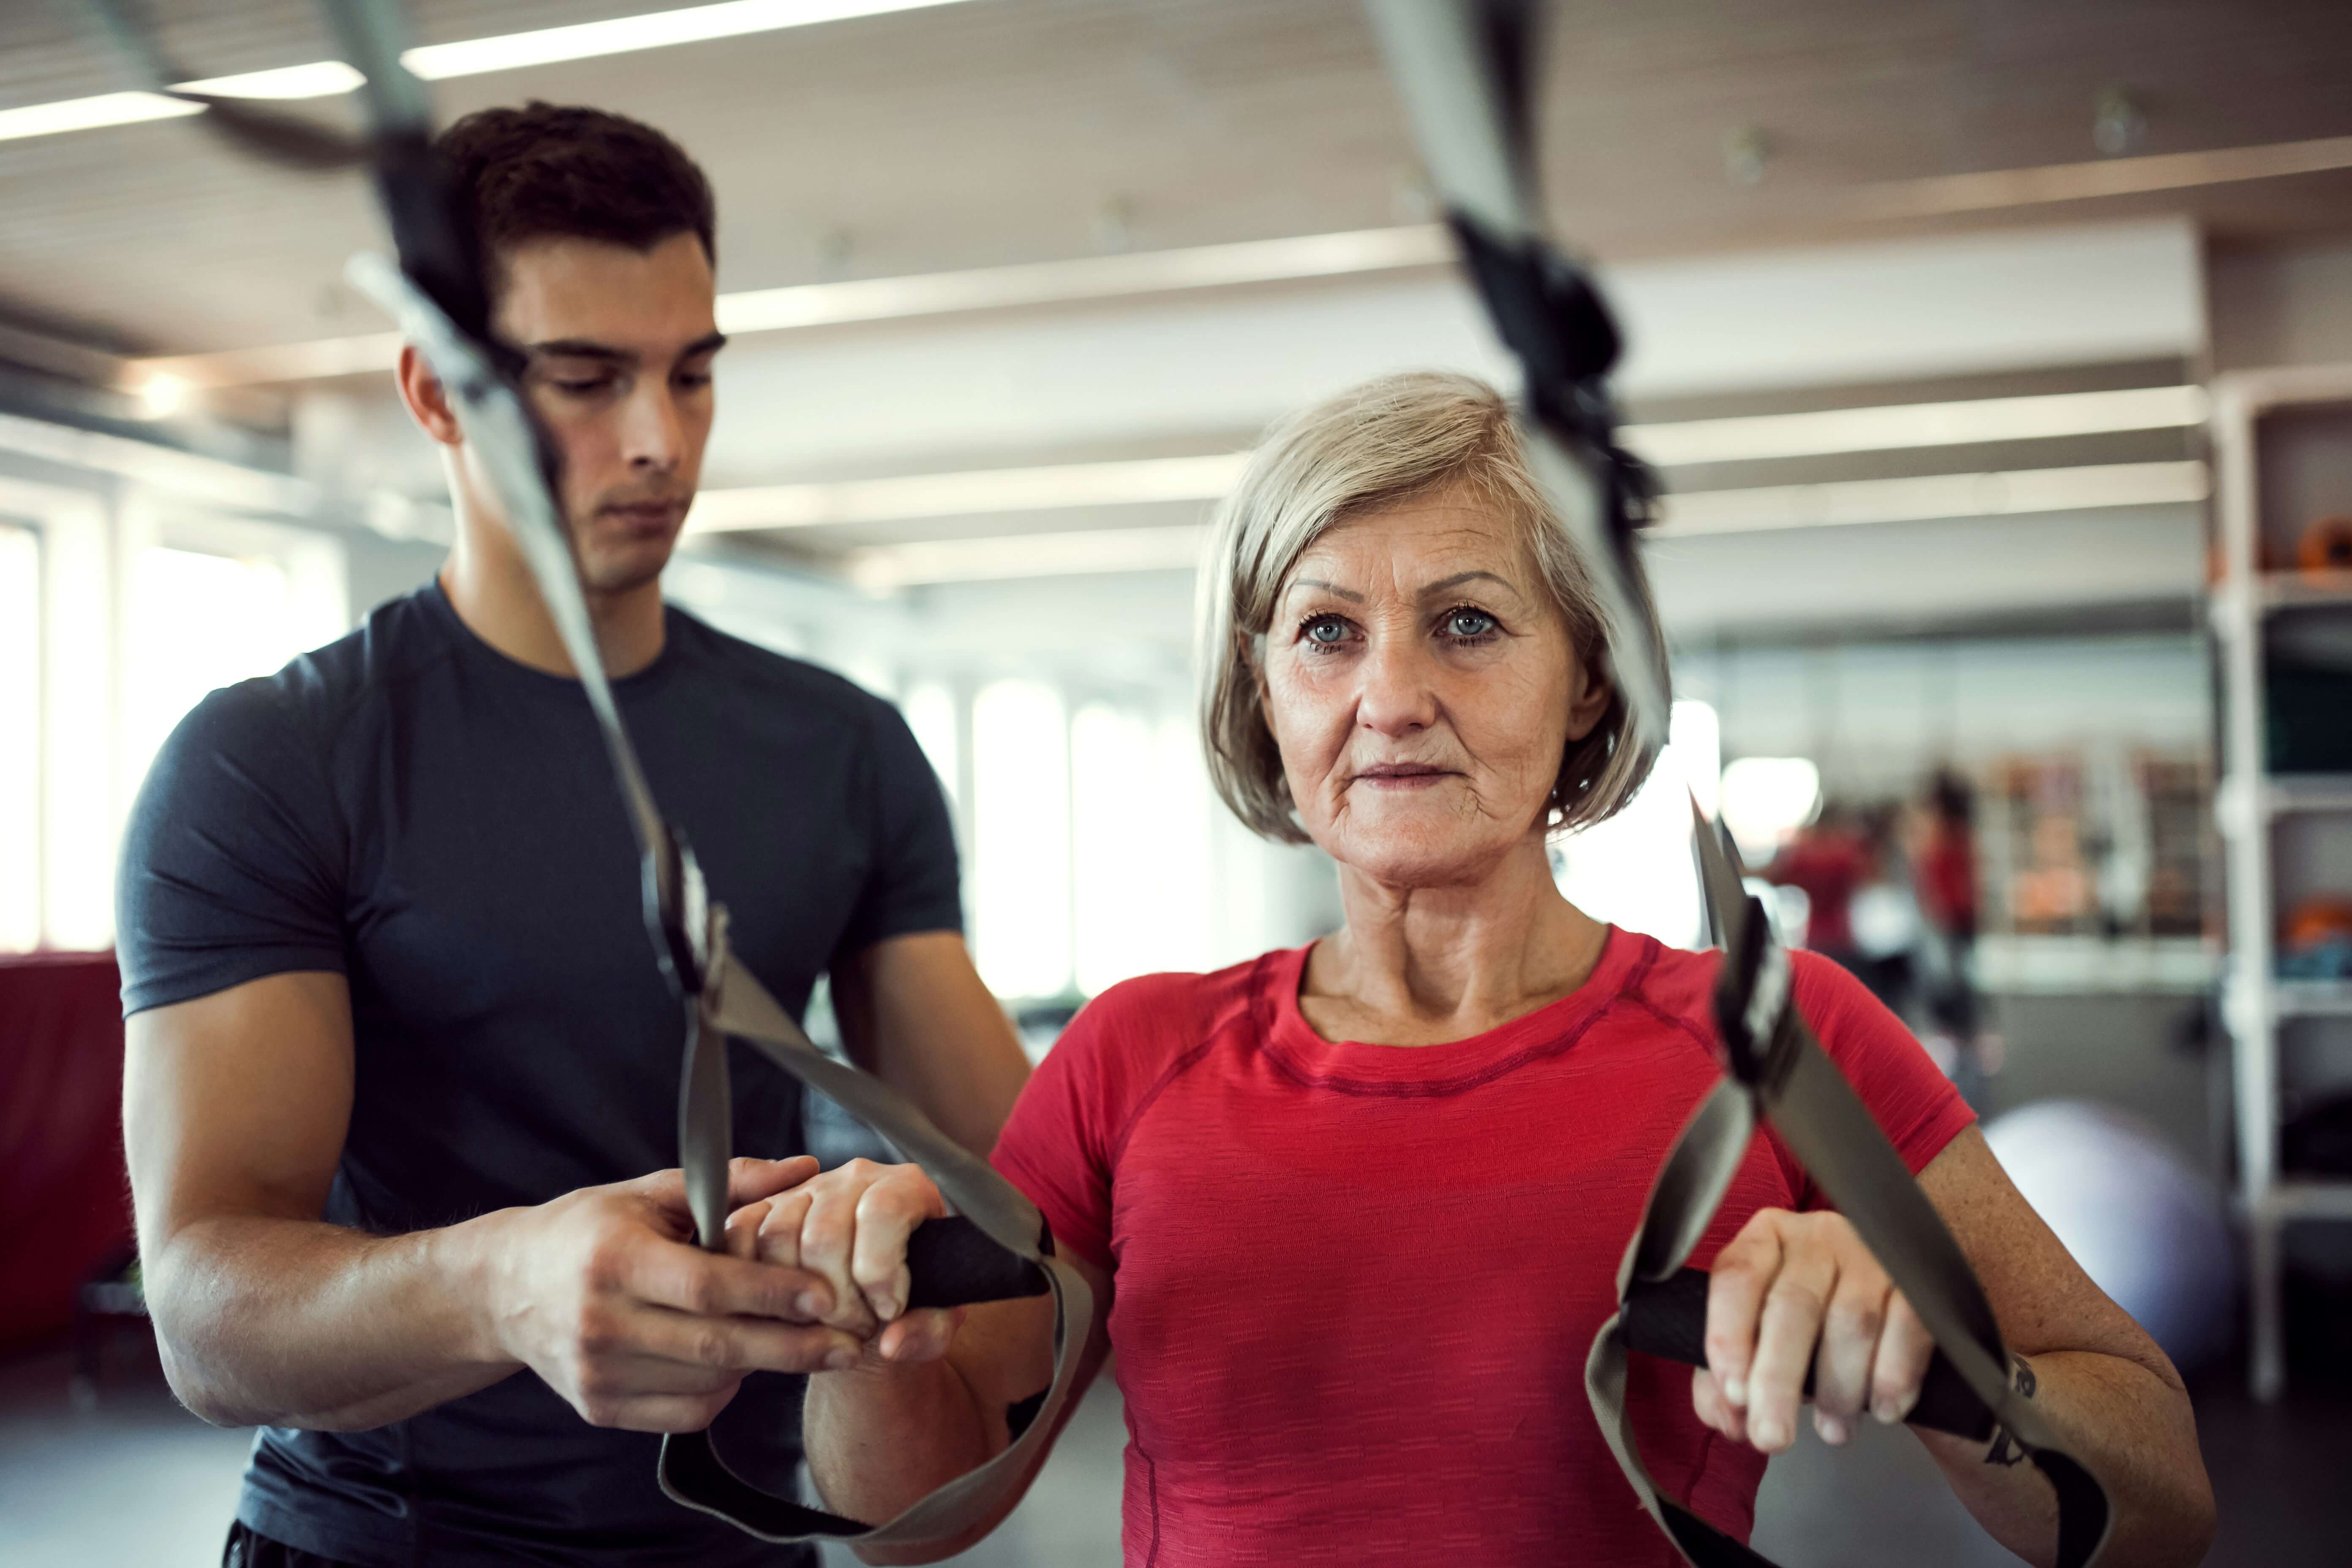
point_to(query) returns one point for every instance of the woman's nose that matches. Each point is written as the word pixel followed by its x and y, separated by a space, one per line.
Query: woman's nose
pixel 1395 696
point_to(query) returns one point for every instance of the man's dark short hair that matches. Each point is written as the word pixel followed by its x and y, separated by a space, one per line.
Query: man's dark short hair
pixel 551 171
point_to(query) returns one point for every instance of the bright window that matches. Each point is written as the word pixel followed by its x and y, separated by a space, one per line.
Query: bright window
pixel 196 622
pixel 1636 870
pixel 20 738
pixel 1021 834
pixel 930 710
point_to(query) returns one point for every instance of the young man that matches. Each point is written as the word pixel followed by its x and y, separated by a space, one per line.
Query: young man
pixel 403 1074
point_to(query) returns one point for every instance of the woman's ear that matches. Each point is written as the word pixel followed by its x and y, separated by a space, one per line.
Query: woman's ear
pixel 427 403
pixel 1594 692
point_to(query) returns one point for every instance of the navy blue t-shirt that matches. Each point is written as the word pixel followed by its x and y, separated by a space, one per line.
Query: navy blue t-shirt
pixel 412 809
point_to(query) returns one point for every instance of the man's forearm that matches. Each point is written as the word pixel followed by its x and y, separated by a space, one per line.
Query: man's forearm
pixel 298 1323
pixel 2131 1427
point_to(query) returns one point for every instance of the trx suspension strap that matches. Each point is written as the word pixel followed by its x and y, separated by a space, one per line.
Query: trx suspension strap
pixel 1466 70
pixel 1000 1246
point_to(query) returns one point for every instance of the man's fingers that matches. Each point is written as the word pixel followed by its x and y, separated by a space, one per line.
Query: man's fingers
pixel 661 1412
pixel 1791 1325
pixel 1850 1335
pixel 888 1214
pixel 734 1345
pixel 1743 1272
pixel 715 1285
pixel 922 1335
pixel 1904 1348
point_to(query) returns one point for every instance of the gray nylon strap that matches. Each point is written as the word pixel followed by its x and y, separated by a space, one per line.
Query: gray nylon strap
pixel 1826 1126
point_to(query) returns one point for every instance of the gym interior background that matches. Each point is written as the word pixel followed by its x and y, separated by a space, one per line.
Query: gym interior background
pixel 1998 357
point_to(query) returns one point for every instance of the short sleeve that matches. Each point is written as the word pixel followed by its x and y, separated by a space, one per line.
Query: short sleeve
pixel 1057 1146
pixel 1908 1096
pixel 231 866
pixel 912 886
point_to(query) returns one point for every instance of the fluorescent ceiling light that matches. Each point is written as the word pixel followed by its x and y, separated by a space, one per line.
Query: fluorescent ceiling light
pixel 1084 278
pixel 2078 488
pixel 627 34
pixel 1996 188
pixel 320 79
pixel 467 57
pixel 1897 427
pixel 86 113
pixel 976 492
pixel 1171 549
pixel 921 294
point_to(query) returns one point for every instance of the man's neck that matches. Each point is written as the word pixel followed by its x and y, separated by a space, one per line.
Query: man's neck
pixel 491 588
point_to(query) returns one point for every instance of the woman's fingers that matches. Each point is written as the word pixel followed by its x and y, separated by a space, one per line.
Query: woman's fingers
pixel 780 1230
pixel 743 1230
pixel 1744 1270
pixel 828 1231
pixel 1710 1405
pixel 1849 1347
pixel 1792 1323
pixel 1900 1365
pixel 888 1214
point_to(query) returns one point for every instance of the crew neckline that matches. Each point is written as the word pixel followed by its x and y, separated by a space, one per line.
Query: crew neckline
pixel 436 598
pixel 1362 1067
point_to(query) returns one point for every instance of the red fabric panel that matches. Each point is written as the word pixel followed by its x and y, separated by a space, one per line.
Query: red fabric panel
pixel 64 1203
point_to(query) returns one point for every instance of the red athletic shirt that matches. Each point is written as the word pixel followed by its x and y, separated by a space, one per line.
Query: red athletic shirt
pixel 1355 1285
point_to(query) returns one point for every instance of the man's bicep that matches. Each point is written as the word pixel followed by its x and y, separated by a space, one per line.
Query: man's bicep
pixel 237 1102
pixel 915 1012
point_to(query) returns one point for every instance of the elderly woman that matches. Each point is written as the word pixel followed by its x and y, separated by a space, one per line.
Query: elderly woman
pixel 1355 1209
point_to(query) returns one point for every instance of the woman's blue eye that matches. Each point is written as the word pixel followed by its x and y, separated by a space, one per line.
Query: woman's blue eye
pixel 1469 623
pixel 1326 629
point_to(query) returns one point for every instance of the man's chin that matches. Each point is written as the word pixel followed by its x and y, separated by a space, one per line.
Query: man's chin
pixel 625 568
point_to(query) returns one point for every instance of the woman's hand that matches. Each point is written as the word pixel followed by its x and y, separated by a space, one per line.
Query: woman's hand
pixel 850 1227
pixel 1794 1291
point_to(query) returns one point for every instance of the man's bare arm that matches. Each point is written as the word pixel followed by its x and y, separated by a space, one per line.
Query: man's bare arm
pixel 234 1110
pixel 915 1012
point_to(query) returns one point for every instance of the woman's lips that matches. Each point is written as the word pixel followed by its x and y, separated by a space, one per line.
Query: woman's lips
pixel 1407 776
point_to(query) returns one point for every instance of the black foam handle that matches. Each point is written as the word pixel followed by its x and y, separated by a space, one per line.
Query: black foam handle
pixel 1668 1319
pixel 952 1263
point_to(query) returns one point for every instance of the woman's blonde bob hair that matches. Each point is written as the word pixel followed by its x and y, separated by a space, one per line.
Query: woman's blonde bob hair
pixel 1386 440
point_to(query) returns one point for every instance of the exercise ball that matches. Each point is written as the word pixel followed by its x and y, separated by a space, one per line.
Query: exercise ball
pixel 2148 1228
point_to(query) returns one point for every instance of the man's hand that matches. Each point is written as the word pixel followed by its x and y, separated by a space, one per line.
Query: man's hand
pixel 1799 1291
pixel 603 1293
pixel 850 1227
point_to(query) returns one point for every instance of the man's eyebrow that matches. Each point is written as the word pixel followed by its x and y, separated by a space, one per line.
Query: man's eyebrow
pixel 585 348
pixel 1461 577
pixel 1331 588
pixel 580 348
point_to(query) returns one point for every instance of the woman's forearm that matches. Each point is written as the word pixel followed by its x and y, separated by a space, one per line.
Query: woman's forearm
pixel 2130 1425
pixel 879 1437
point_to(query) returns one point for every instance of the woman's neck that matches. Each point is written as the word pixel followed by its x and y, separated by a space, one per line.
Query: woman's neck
pixel 1417 966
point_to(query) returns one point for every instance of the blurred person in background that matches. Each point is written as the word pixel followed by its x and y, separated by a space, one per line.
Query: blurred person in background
pixel 1944 863
pixel 402 1072
pixel 1354 1211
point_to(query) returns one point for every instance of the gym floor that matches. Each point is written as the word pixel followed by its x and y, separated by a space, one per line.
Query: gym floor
pixel 137 1480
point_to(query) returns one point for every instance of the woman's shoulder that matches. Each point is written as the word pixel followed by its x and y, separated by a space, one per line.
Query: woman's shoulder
pixel 1155 1014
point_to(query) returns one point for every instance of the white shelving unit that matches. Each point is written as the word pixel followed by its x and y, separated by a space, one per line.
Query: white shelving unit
pixel 2255 805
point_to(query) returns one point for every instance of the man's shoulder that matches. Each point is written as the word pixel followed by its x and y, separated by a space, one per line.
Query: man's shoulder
pixel 807 687
pixel 311 698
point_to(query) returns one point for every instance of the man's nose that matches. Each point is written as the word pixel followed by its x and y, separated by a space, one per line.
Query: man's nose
pixel 651 434
pixel 1395 696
